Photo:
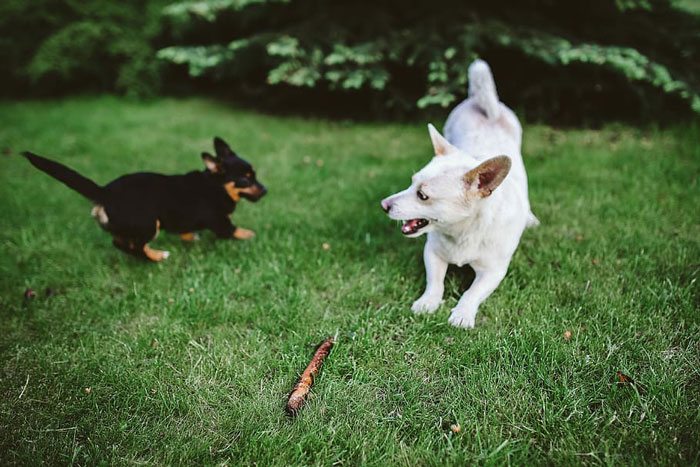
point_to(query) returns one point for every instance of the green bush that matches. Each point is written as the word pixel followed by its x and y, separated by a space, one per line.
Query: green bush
pixel 23 26
pixel 57 46
pixel 555 59
pixel 564 61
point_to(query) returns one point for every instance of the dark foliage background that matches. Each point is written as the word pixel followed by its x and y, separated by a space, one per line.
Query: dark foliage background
pixel 560 61
pixel 53 47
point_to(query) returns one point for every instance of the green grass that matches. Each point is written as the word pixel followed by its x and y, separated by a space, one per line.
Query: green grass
pixel 615 261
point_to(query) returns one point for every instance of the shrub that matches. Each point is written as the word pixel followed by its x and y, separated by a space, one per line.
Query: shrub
pixel 57 46
pixel 619 56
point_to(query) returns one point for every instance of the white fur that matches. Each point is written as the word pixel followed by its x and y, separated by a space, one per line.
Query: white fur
pixel 483 89
pixel 466 227
pixel 99 214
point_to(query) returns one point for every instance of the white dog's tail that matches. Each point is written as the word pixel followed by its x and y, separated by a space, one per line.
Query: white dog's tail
pixel 483 89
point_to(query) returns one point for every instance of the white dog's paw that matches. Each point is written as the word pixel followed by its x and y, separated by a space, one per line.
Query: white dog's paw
pixel 426 304
pixel 462 320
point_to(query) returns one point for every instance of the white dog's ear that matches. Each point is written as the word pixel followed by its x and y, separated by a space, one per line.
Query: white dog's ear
pixel 488 175
pixel 440 144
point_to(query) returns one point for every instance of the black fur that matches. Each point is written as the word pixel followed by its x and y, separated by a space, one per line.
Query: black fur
pixel 136 203
pixel 71 178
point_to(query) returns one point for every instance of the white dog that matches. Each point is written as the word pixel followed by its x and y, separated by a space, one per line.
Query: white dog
pixel 471 199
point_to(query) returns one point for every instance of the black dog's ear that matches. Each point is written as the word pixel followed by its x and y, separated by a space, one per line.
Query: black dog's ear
pixel 213 163
pixel 222 149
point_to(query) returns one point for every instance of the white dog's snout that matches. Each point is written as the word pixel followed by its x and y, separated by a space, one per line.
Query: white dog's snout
pixel 386 205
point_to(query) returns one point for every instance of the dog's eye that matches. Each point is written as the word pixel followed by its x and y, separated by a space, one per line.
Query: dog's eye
pixel 421 195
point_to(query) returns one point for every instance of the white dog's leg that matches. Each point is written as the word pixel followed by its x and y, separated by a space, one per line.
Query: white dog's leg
pixel 485 282
pixel 435 269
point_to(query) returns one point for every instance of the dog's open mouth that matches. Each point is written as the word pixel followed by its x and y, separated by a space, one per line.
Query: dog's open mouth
pixel 412 226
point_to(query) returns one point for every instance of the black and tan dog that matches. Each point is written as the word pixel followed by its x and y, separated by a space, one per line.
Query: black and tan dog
pixel 134 207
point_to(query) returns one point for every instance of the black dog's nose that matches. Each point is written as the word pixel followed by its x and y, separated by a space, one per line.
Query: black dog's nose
pixel 386 206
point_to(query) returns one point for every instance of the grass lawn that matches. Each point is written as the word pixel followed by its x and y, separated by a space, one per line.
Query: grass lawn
pixel 189 361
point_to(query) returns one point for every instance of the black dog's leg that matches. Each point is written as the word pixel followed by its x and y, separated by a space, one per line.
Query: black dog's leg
pixel 243 234
pixel 136 243
pixel 127 246
pixel 223 228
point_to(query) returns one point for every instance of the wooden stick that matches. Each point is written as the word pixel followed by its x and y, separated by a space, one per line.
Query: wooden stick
pixel 301 390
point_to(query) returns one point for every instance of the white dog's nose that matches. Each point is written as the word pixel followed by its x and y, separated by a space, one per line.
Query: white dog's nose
pixel 385 205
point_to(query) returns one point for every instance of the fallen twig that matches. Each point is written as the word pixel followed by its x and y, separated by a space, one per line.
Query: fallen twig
pixel 301 390
pixel 24 388
pixel 48 430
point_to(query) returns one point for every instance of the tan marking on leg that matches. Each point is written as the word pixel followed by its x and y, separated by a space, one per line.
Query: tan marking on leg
pixel 243 234
pixel 189 237
pixel 99 214
pixel 155 255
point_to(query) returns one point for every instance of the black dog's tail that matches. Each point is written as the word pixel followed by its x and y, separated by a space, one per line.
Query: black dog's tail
pixel 71 178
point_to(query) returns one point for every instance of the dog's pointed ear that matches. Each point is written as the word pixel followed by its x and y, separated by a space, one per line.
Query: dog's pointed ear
pixel 486 177
pixel 440 144
pixel 212 163
pixel 222 149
